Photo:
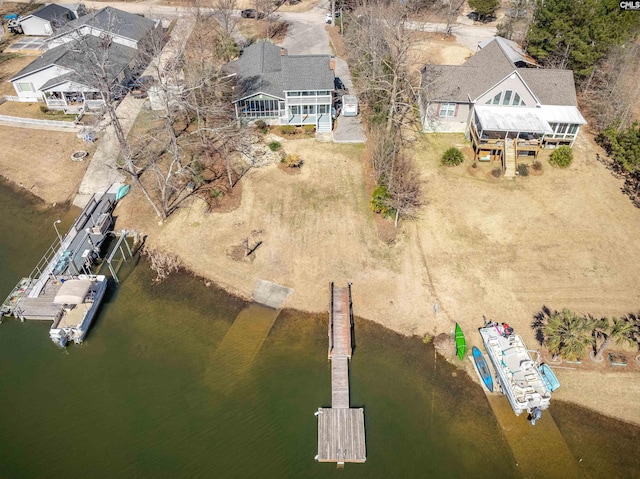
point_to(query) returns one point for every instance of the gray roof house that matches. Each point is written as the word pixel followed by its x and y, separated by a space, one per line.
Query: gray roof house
pixel 76 74
pixel 507 106
pixel 283 89
pixel 122 27
pixel 48 19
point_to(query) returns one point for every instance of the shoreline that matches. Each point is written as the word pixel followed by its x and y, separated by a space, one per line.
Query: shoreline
pixel 572 393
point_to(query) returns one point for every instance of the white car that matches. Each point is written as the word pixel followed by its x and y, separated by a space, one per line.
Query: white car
pixel 327 17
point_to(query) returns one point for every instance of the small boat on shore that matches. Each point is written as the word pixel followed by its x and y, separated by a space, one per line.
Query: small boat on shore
pixel 461 342
pixel 483 368
pixel 81 298
pixel 549 377
pixel 517 375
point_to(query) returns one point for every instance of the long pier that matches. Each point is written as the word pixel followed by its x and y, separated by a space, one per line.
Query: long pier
pixel 341 437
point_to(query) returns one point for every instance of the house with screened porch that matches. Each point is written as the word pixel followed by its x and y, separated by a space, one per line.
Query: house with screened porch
pixel 88 59
pixel 507 106
pixel 283 89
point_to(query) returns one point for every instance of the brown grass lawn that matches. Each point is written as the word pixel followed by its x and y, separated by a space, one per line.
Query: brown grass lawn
pixel 32 110
pixel 503 248
pixel 40 161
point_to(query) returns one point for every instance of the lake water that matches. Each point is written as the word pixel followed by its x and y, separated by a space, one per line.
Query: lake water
pixel 183 380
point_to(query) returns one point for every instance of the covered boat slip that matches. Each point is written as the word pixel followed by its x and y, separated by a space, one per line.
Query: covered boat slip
pixel 517 374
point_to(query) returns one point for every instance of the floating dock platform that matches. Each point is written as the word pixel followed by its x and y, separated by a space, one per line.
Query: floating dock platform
pixel 341 436
pixel 67 259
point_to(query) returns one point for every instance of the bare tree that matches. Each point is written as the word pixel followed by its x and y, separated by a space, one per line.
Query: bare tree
pixel 106 65
pixel 612 92
pixel 378 46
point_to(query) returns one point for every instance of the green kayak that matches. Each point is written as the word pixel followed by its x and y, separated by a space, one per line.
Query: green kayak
pixel 461 343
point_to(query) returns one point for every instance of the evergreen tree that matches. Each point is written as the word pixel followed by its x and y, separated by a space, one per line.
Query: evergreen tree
pixel 576 34
pixel 484 8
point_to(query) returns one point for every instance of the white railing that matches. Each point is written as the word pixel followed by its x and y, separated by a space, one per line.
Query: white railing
pixel 309 100
pixel 56 102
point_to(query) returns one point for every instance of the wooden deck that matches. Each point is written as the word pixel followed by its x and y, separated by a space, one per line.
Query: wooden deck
pixel 341 435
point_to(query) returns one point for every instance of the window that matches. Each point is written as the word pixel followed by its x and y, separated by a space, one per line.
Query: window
pixel 447 109
pixel 573 129
pixel 323 108
pixel 25 87
pixel 295 110
pixel 293 93
pixel 323 92
pixel 308 93
pixel 506 98
pixel 516 99
pixel 308 109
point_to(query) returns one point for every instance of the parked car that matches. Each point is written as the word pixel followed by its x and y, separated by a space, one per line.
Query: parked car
pixel 327 17
pixel 251 13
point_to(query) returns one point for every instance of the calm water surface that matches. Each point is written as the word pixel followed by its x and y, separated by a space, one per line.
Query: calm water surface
pixel 173 381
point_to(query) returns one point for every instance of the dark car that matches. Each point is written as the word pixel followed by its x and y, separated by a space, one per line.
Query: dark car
pixel 251 13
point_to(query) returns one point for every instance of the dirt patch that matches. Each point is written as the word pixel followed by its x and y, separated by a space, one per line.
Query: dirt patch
pixel 435 48
pixel 337 42
pixel 252 29
pixel 40 162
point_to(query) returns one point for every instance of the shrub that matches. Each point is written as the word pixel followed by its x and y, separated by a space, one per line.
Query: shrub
pixel 309 129
pixel 496 172
pixel 523 169
pixel 288 130
pixel 561 157
pixel 452 157
pixel 537 166
pixel 262 126
pixel 380 201
pixel 274 146
pixel 292 161
pixel 44 109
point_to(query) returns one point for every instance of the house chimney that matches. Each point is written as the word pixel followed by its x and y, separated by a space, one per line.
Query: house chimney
pixel 332 64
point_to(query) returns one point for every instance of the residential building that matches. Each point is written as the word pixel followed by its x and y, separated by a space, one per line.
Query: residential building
pixel 283 89
pixel 504 103
pixel 87 62
pixel 50 18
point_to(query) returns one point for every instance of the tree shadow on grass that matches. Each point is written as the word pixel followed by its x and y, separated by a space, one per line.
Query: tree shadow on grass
pixel 539 320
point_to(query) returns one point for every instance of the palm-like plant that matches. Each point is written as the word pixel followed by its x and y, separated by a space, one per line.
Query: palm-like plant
pixel 568 335
pixel 619 330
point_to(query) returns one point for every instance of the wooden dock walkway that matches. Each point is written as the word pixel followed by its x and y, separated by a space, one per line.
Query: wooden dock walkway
pixel 341 435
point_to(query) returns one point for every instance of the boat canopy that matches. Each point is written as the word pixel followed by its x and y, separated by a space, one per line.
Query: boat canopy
pixel 73 291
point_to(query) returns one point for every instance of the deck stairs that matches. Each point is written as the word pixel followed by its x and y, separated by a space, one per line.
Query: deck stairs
pixel 324 124
pixel 510 159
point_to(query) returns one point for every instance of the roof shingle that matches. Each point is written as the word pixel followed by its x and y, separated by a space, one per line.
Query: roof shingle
pixel 266 68
pixel 466 82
